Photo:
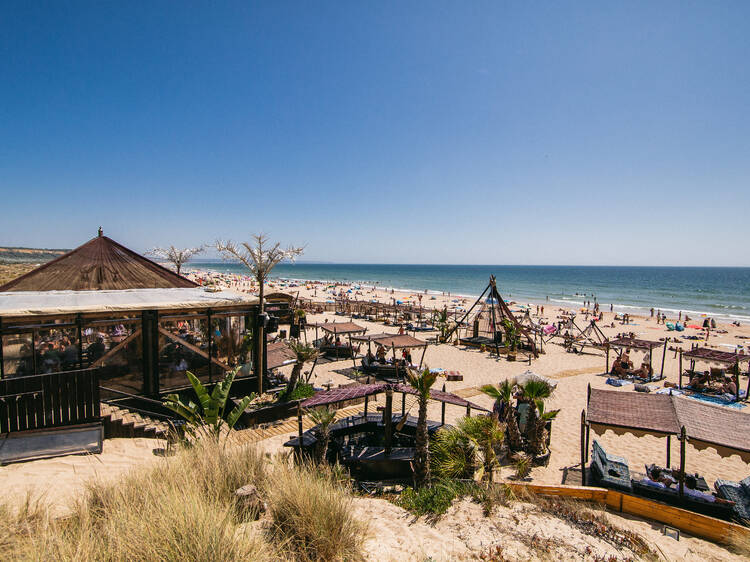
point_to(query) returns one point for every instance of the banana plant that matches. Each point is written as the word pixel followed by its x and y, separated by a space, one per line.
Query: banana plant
pixel 208 415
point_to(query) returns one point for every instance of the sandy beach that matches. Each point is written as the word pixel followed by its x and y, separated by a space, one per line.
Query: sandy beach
pixel 61 480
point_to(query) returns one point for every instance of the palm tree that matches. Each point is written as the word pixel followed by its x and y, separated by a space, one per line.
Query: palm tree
pixel 441 321
pixel 485 435
pixel 304 353
pixel 422 382
pixel 259 257
pixel 504 394
pixel 533 391
pixel 176 256
pixel 323 418
pixel 537 447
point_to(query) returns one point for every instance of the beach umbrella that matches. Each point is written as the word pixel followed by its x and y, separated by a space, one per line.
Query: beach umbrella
pixel 523 378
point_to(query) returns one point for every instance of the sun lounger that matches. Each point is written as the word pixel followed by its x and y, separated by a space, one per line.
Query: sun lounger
pixel 609 471
pixel 739 493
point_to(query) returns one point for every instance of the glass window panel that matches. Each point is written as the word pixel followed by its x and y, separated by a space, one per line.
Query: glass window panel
pixel 57 349
pixel 117 350
pixel 183 346
pixel 18 356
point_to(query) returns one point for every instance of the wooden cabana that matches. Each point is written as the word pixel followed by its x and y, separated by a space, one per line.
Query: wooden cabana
pixel 663 415
pixel 641 345
pixel 346 394
pixel 726 359
pixel 338 329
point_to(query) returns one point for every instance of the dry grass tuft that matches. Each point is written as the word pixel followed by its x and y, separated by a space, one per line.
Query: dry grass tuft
pixel 184 509
pixel 312 515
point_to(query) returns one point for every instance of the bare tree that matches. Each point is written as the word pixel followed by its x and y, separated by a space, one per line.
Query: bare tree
pixel 176 256
pixel 259 256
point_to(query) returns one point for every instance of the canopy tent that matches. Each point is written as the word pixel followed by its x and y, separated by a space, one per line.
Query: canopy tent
pixel 641 345
pixel 488 321
pixel 702 425
pixel 716 357
pixel 99 264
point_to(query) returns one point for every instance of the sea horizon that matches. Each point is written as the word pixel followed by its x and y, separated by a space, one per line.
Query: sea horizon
pixel 721 292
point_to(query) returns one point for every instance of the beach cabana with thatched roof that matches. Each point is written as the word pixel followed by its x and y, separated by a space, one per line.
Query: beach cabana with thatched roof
pixel 726 359
pixel 618 344
pixel 725 430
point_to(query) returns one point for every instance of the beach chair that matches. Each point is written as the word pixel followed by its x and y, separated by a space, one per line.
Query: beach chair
pixel 739 493
pixel 609 471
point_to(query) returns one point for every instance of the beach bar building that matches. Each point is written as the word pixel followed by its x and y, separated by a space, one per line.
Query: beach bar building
pixel 104 323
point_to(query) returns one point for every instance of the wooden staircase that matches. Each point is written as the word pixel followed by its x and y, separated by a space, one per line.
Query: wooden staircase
pixel 121 422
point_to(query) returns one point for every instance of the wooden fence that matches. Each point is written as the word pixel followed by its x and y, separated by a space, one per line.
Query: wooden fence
pixel 53 400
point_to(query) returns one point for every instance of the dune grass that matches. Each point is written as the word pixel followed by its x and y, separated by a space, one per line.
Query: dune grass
pixel 185 509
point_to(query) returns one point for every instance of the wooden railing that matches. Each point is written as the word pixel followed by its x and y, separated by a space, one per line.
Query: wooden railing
pixel 703 526
pixel 53 400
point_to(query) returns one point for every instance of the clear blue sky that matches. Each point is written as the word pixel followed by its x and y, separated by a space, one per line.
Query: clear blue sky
pixel 399 132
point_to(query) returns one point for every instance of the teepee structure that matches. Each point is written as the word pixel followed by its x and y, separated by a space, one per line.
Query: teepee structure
pixel 488 321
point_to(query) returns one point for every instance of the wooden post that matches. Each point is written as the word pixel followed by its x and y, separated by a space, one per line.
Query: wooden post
pixel 367 399
pixel 683 442
pixel 388 415
pixel 606 372
pixel 747 392
pixel 669 451
pixel 421 359
pixel 468 411
pixel 663 358
pixel 737 379
pixel 403 403
pixel 583 447
pixel 680 383
pixel 299 428
pixel 354 360
pixel 588 431
pixel 442 410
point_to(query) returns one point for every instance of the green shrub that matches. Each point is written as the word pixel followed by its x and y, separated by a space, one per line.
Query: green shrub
pixel 436 499
pixel 302 390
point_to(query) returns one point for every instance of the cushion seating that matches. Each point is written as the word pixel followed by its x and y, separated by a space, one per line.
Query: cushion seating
pixel 739 493
pixel 610 471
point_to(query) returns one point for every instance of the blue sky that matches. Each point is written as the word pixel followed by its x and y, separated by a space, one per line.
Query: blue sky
pixel 396 132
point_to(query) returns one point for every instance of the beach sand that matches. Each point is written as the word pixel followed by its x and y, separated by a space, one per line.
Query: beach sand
pixel 63 478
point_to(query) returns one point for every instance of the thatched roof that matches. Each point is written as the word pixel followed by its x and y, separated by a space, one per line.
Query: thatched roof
pixel 635 343
pixel 279 354
pixel 392 340
pixel 340 327
pixel 338 395
pixel 723 429
pixel 100 264
pixel 715 356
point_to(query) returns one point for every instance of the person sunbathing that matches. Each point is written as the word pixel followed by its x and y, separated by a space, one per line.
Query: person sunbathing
pixel 620 369
pixel 644 372
pixel 700 381
pixel 729 386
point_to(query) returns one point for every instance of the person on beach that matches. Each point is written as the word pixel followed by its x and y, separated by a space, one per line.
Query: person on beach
pixel 700 381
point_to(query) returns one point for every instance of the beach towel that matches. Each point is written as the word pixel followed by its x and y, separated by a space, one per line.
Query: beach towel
pixel 670 326
pixel 722 399
pixel 618 382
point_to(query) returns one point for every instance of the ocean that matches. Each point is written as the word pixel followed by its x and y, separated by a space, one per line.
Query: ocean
pixel 719 292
